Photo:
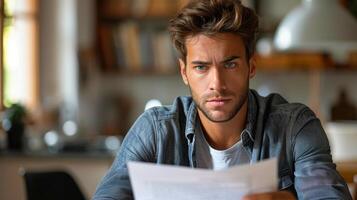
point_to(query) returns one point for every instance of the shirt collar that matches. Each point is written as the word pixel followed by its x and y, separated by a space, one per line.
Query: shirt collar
pixel 251 118
pixel 191 121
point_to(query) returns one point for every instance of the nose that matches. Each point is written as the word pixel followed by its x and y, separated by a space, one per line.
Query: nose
pixel 217 81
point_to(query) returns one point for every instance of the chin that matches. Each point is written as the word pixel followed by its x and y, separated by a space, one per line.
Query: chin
pixel 219 118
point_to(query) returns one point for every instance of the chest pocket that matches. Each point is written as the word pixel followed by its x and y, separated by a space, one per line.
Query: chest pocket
pixel 285 180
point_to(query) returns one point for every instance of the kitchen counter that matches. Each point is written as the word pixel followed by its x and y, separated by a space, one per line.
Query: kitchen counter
pixel 62 154
pixel 87 168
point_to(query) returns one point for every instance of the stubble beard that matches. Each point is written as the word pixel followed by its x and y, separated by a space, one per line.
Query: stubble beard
pixel 242 97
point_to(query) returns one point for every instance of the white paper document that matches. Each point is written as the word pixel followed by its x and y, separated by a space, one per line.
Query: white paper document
pixel 164 182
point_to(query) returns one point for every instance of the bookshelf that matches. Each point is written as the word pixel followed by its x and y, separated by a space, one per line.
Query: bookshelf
pixel 132 39
pixel 132 36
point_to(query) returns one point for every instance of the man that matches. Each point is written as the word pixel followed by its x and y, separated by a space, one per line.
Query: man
pixel 224 123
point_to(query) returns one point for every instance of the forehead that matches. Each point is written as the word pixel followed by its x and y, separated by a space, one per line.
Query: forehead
pixel 222 43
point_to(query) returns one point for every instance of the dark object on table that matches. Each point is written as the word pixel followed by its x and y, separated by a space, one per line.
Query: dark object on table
pixel 343 108
pixel 14 125
pixel 51 185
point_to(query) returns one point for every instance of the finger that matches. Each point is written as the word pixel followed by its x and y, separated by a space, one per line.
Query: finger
pixel 260 196
pixel 282 195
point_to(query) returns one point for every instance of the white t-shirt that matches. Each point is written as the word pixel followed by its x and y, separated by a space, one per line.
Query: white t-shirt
pixel 210 158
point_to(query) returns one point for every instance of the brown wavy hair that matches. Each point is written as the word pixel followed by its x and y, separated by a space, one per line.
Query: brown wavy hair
pixel 210 17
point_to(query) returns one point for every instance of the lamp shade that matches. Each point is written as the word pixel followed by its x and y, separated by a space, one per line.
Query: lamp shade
pixel 319 25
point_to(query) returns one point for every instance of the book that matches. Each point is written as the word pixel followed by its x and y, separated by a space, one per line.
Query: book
pixel 164 58
pixel 129 37
pixel 106 48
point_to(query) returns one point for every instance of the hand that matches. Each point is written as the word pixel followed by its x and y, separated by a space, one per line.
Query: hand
pixel 281 195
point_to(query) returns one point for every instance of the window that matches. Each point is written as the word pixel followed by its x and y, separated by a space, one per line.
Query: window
pixel 19 53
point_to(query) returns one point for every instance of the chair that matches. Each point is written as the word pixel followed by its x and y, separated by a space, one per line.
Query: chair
pixel 51 185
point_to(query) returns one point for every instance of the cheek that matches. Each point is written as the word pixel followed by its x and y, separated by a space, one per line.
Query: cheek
pixel 237 81
pixel 199 84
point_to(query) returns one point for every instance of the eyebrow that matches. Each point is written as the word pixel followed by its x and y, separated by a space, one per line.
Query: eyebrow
pixel 228 59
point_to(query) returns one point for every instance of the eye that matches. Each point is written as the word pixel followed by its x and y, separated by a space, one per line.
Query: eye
pixel 200 67
pixel 230 65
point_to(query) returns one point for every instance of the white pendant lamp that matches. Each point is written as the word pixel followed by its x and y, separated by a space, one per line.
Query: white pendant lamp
pixel 318 25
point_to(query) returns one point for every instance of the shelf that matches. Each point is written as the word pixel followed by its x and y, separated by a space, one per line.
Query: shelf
pixel 129 46
pixel 143 9
pixel 297 61
pixel 173 71
pixel 138 19
pixel 132 38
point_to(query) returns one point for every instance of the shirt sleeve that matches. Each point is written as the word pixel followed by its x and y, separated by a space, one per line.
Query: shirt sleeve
pixel 315 173
pixel 138 145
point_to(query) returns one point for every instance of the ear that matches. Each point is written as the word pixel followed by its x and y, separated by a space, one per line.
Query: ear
pixel 252 66
pixel 183 71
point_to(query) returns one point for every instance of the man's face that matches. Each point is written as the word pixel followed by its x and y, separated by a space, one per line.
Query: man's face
pixel 217 73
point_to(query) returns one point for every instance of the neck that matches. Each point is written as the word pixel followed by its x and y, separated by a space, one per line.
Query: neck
pixel 222 135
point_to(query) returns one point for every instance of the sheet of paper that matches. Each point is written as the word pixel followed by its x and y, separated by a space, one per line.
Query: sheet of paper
pixel 161 182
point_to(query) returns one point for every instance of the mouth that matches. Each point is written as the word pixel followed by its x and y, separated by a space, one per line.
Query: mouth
pixel 218 101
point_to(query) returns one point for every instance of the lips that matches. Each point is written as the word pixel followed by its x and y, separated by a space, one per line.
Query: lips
pixel 218 101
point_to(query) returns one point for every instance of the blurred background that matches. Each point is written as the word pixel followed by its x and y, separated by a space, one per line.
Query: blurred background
pixel 75 74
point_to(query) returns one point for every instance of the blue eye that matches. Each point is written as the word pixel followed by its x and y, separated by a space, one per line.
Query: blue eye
pixel 230 65
pixel 200 67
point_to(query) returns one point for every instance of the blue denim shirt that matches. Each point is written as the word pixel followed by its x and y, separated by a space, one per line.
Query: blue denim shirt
pixel 275 128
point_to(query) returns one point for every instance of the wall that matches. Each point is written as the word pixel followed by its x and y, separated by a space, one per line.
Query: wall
pixel 58 56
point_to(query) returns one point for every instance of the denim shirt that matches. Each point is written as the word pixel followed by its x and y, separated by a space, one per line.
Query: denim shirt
pixel 275 128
